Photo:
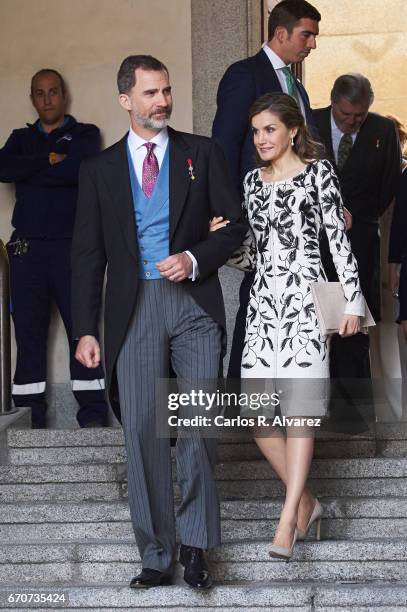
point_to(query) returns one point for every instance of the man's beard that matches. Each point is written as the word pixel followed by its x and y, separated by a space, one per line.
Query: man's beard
pixel 151 123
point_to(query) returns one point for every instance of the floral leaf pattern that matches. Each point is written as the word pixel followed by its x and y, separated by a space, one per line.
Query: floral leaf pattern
pixel 286 217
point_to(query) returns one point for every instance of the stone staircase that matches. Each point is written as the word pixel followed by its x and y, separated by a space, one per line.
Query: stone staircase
pixel 65 527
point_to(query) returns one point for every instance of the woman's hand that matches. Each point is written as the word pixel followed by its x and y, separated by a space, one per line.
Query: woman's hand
pixel 350 325
pixel 217 223
pixel 348 218
pixel 394 278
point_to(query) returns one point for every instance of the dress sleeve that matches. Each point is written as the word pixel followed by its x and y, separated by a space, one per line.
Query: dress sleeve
pixel 245 257
pixel 334 223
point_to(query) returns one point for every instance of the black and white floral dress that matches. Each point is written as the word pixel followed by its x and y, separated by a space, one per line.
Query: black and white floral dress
pixel 282 338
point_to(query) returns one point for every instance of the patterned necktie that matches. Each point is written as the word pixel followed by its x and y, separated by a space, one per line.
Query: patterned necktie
pixel 344 148
pixel 150 170
pixel 292 88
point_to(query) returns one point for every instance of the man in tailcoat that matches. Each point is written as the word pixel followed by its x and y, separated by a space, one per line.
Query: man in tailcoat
pixel 143 212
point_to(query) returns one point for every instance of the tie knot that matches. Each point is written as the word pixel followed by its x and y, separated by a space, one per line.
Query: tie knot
pixel 347 139
pixel 150 146
pixel 288 73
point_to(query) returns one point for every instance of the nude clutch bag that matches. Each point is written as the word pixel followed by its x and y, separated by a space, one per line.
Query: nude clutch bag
pixel 330 304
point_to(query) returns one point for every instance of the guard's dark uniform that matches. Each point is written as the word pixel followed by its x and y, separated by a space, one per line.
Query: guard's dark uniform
pixel 39 254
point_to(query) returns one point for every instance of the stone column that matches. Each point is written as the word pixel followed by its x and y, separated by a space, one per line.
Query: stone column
pixel 222 31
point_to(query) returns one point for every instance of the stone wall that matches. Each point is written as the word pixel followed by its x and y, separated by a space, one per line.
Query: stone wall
pixel 86 40
pixel 368 37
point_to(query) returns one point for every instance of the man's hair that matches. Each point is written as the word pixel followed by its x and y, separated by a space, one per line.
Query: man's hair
pixel 126 77
pixel 45 71
pixel 288 12
pixel 354 87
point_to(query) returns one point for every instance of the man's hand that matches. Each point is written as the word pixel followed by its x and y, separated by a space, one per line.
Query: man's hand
pixel 56 158
pixel 217 223
pixel 348 218
pixel 88 352
pixel 350 325
pixel 175 268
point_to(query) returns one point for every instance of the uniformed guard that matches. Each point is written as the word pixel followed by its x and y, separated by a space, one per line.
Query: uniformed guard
pixel 43 161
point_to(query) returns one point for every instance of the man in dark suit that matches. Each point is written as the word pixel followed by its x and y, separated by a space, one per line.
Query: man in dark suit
pixel 365 151
pixel 143 211
pixel 43 161
pixel 292 31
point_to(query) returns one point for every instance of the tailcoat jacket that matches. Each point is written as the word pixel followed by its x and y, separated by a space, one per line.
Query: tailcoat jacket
pixel 105 236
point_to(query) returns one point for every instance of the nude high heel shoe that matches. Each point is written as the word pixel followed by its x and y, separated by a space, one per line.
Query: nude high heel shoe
pixel 280 552
pixel 314 518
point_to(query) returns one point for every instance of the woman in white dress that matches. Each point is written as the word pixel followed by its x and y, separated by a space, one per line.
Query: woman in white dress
pixel 288 201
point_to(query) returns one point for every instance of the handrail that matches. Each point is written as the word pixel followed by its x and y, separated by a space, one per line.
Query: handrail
pixel 5 346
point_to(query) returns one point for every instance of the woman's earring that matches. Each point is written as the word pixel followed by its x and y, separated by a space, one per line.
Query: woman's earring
pixel 292 141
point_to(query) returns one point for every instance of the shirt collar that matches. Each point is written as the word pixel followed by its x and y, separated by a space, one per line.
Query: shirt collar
pixel 334 127
pixel 275 59
pixel 160 139
pixel 41 129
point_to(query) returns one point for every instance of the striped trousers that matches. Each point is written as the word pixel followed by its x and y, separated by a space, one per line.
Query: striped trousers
pixel 167 324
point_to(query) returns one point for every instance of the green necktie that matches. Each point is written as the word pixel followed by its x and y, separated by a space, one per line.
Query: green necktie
pixel 344 148
pixel 292 88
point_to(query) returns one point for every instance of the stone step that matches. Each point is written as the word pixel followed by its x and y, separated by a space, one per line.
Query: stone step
pixel 302 608
pixel 244 480
pixel 351 518
pixel 106 445
pixel 244 550
pixel 237 510
pixel 226 452
pixel 75 492
pixel 111 436
pixel 66 455
pixel 278 596
pixel 242 561
pixel 234 470
pixel 321 487
pixel 114 491
pixel 323 468
pixel 96 568
pixel 107 436
pixel 232 530
pixel 391 448
pixel 26 474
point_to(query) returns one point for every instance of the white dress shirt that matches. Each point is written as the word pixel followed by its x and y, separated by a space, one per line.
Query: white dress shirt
pixel 278 65
pixel 138 153
pixel 337 135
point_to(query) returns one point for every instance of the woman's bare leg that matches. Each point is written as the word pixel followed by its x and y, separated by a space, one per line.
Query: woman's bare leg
pixel 299 452
pixel 274 448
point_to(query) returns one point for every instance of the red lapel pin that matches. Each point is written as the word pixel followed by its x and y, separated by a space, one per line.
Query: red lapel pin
pixel 190 169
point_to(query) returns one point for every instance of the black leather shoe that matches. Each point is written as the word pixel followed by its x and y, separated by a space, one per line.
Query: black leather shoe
pixel 149 578
pixel 196 573
pixel 95 423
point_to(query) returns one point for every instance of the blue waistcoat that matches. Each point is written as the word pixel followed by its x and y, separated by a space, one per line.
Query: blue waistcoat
pixel 152 219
